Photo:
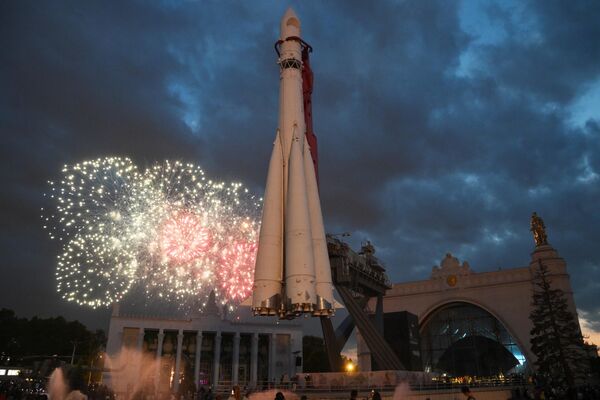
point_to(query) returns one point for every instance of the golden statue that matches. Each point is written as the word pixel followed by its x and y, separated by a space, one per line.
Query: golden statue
pixel 539 230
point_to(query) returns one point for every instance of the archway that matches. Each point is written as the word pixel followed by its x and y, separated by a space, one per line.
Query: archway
pixel 460 338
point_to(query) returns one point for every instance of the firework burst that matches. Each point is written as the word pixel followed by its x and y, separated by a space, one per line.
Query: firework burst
pixel 236 269
pixel 167 229
pixel 183 238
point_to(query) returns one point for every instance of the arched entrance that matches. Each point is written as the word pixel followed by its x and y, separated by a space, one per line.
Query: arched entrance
pixel 461 339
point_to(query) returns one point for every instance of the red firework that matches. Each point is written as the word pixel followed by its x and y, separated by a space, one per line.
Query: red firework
pixel 236 270
pixel 183 238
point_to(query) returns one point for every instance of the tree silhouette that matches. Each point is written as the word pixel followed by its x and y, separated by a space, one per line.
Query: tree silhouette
pixel 556 338
pixel 315 355
pixel 24 340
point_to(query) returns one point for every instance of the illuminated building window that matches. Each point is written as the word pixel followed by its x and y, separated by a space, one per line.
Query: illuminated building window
pixel 461 339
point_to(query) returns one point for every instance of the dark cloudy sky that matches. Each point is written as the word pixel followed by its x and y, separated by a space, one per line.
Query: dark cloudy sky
pixel 442 125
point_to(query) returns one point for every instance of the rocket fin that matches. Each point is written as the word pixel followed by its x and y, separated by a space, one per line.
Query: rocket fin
pixel 299 261
pixel 324 286
pixel 268 272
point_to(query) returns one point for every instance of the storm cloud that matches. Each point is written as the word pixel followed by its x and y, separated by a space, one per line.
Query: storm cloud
pixel 441 125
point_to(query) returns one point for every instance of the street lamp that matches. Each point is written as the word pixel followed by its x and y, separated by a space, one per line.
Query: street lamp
pixel 91 369
pixel 75 342
pixel 350 367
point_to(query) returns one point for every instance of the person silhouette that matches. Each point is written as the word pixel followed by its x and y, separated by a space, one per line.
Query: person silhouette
pixel 467 393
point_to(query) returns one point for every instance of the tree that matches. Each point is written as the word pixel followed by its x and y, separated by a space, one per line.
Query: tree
pixel 315 356
pixel 556 338
pixel 594 358
pixel 24 340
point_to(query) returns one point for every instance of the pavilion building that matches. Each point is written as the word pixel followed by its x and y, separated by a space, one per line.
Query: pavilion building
pixel 208 349
pixel 463 322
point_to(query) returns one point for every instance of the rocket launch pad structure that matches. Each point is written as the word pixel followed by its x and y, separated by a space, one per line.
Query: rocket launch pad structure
pixel 293 274
pixel 358 278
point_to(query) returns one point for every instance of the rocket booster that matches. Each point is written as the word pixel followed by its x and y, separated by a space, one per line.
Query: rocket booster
pixel 292 273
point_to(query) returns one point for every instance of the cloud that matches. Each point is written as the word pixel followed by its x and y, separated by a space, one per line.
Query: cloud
pixel 589 326
pixel 441 125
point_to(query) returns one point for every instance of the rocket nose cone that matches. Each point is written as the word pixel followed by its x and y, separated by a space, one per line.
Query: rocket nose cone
pixel 290 24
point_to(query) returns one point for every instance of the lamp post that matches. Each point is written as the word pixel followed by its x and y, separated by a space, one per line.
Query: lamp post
pixel 74 347
pixel 91 369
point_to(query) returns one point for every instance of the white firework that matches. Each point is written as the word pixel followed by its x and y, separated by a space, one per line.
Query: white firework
pixel 168 229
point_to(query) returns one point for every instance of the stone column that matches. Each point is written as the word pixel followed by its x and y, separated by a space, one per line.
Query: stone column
pixel 236 358
pixel 292 367
pixel 272 377
pixel 217 361
pixel 178 360
pixel 254 360
pixel 115 341
pixel 140 349
pixel 115 309
pixel 140 339
pixel 120 335
pixel 197 360
pixel 161 337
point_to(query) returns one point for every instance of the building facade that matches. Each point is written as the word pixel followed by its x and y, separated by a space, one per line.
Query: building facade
pixel 158 354
pixel 474 323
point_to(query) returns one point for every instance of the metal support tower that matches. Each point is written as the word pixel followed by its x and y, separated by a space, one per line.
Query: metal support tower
pixel 358 278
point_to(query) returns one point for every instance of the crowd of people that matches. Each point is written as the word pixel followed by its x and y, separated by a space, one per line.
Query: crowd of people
pixel 21 389
pixel 35 389
pixel 31 389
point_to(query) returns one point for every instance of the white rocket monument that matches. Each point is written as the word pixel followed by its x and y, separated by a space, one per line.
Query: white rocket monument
pixel 292 274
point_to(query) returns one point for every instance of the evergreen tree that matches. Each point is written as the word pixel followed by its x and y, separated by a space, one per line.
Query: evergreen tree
pixel 315 355
pixel 556 338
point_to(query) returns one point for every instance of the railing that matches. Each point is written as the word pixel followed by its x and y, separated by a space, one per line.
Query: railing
pixel 226 386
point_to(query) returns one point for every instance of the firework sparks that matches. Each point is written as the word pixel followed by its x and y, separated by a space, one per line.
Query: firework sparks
pixel 168 229
pixel 236 270
pixel 183 238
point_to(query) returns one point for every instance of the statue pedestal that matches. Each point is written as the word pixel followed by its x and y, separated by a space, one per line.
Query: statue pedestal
pixel 557 270
pixel 543 252
pixel 550 258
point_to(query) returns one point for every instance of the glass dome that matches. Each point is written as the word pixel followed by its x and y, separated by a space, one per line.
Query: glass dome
pixel 462 339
